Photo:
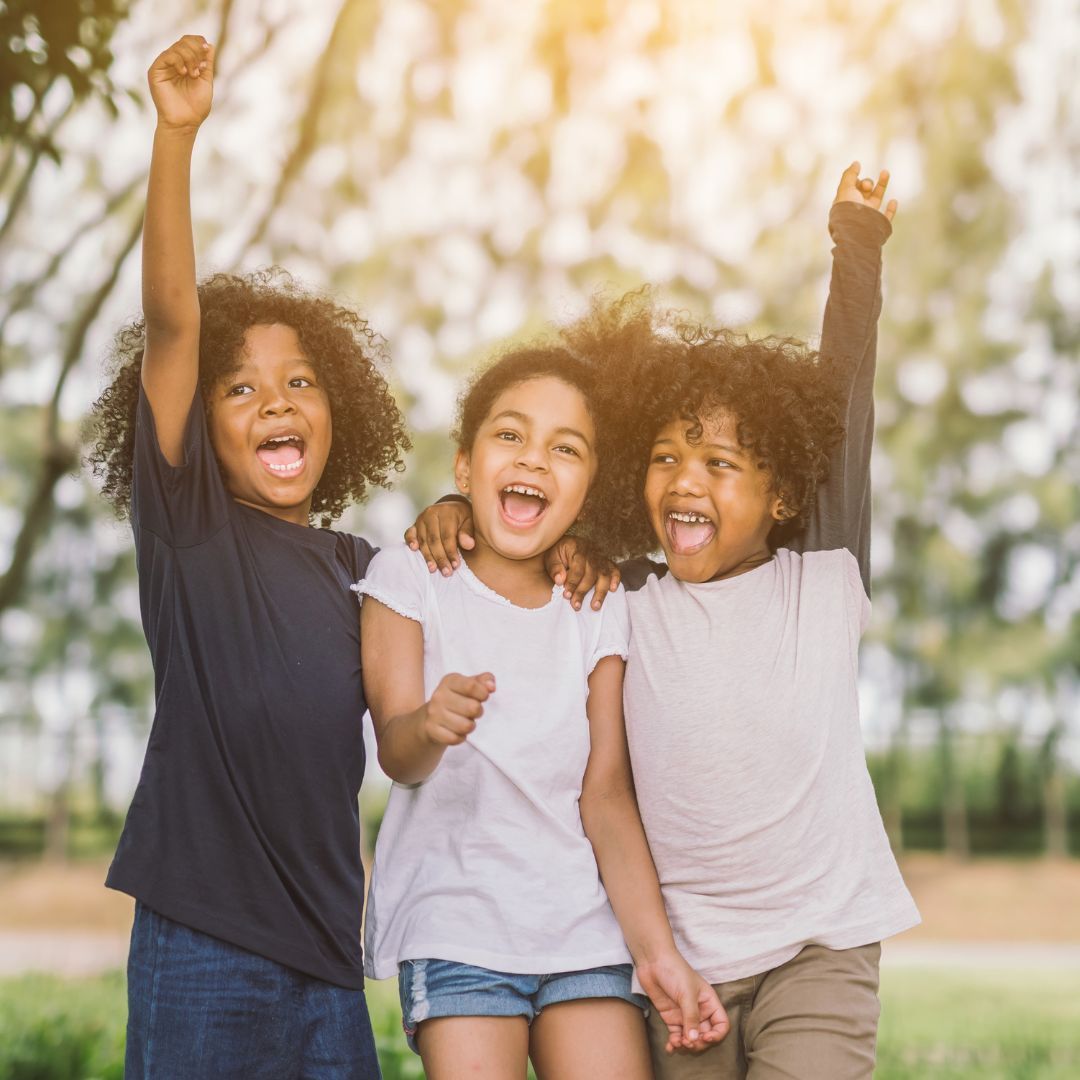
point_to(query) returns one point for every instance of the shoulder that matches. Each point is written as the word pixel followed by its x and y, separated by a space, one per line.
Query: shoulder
pixel 398 578
pixel 397 560
pixel 356 552
pixel 635 573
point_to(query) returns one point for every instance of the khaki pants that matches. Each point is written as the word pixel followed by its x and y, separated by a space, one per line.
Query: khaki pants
pixel 813 1018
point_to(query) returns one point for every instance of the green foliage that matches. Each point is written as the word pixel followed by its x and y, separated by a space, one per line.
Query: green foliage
pixel 51 1029
pixel 935 1025
pixel 45 43
pixel 993 1025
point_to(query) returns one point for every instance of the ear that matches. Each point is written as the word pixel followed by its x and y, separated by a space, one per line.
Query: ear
pixel 461 471
pixel 780 511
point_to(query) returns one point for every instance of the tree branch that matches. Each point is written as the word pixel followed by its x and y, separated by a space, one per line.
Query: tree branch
pixel 59 456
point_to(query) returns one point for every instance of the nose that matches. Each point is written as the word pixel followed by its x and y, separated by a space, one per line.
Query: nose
pixel 688 479
pixel 532 456
pixel 277 403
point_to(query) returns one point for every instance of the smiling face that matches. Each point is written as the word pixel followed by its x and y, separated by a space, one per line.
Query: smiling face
pixel 270 425
pixel 709 503
pixel 529 468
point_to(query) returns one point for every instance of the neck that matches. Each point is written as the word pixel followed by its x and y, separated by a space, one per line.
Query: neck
pixel 744 565
pixel 524 582
pixel 296 515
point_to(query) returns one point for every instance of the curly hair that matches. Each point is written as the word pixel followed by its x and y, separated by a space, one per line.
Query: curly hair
pixel 368 430
pixel 655 365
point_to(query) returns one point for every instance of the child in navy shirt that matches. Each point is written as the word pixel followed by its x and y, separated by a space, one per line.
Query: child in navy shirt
pixel 240 410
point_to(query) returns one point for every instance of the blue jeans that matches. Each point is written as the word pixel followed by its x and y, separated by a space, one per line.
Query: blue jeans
pixel 439 988
pixel 201 1008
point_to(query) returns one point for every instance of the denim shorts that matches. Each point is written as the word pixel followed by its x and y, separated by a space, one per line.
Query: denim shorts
pixel 435 988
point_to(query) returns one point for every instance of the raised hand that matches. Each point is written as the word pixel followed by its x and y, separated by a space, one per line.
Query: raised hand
pixel 450 715
pixel 439 532
pixel 182 82
pixel 865 191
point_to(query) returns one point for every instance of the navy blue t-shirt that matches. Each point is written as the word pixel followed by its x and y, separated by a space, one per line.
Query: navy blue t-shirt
pixel 245 822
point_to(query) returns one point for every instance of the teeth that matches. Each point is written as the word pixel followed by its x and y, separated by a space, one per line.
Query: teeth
pixel 521 489
pixel 281 439
pixel 288 468
pixel 691 518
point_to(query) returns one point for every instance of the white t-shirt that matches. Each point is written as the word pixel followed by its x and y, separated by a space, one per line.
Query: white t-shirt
pixel 742 716
pixel 486 862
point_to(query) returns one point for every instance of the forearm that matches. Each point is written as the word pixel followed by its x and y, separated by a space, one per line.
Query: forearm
pixel 170 299
pixel 849 330
pixel 406 754
pixel 613 825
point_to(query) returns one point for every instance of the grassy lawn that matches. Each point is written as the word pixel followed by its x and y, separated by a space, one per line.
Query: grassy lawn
pixel 935 1024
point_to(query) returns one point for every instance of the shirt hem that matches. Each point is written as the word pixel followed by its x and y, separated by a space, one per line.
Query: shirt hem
pixel 352 978
pixel 852 938
pixel 385 968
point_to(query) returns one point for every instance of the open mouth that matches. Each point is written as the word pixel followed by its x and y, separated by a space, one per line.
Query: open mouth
pixel 688 531
pixel 283 455
pixel 522 505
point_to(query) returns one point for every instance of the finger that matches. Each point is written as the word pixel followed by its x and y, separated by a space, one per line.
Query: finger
pixel 191 56
pixel 437 554
pixel 691 1018
pixel 587 582
pixel 866 186
pixel 878 193
pixel 451 730
pixel 848 179
pixel 410 538
pixel 423 542
pixel 448 539
pixel 616 580
pixel 465 538
pixel 891 208
pixel 603 587
pixel 574 576
pixel 479 687
pixel 557 570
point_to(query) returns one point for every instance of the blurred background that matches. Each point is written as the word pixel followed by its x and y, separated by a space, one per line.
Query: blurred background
pixel 465 171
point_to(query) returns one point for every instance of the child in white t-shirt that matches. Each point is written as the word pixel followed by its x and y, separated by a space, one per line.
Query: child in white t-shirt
pixel 498 712
pixel 748 463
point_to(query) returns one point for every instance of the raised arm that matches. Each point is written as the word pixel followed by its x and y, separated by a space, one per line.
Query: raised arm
pixel 859 228
pixel 181 84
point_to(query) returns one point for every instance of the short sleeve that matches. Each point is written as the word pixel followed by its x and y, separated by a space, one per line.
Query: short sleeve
pixel 613 638
pixel 397 577
pixel 183 505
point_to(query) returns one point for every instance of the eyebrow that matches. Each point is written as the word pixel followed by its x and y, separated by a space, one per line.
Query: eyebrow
pixel 513 414
pixel 706 446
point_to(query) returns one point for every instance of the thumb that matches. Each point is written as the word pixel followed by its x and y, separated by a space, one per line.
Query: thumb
pixel 465 539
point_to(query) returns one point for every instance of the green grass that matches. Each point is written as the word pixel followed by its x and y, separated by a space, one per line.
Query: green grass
pixel 990 1025
pixel 935 1025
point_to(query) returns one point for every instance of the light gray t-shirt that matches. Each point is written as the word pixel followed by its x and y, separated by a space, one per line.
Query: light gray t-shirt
pixel 742 715
pixel 742 709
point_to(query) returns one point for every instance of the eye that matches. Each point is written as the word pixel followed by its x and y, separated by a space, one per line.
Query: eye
pixel 572 450
pixel 508 436
pixel 721 463
pixel 301 381
pixel 239 390
pixel 663 459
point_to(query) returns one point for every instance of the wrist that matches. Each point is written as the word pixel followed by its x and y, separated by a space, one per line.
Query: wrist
pixel 178 133
pixel 655 949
